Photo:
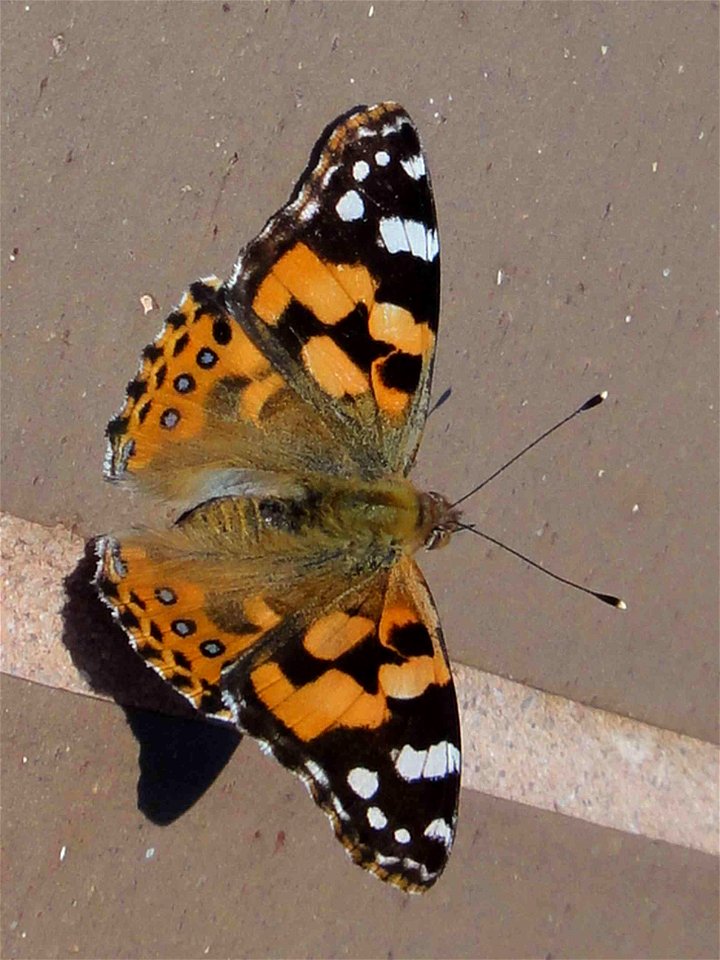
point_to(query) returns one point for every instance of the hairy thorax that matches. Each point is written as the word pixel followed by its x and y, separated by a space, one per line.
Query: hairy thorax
pixel 385 517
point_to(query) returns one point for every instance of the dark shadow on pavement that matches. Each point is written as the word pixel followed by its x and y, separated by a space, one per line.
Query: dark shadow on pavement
pixel 181 753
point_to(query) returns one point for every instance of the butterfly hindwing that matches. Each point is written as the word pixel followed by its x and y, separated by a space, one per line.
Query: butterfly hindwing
pixel 207 409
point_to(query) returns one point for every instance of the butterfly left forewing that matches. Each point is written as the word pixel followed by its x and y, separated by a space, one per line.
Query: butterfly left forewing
pixel 361 705
pixel 341 288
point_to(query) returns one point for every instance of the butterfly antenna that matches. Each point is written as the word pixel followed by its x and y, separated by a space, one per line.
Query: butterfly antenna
pixel 605 597
pixel 588 405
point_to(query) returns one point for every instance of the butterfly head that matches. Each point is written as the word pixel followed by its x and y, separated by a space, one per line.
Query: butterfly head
pixel 440 519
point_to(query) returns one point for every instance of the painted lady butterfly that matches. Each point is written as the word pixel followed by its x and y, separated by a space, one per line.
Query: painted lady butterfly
pixel 281 411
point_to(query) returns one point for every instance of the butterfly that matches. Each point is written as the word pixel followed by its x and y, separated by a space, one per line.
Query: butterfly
pixel 280 412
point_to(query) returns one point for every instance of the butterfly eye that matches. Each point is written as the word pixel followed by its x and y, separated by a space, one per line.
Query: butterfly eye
pixel 438 537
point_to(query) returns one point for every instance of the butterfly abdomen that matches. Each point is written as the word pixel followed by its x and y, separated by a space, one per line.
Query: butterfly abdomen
pixel 387 517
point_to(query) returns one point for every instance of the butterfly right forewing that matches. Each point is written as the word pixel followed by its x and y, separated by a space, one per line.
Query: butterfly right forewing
pixel 360 704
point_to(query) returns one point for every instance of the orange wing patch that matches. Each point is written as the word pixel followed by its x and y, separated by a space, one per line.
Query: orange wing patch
pixel 399 640
pixel 332 293
pixel 170 625
pixel 200 348
pixel 333 699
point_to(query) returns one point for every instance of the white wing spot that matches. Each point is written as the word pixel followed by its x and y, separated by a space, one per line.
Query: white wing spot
pixel 409 763
pixel 327 176
pixel 309 210
pixel 363 782
pixel 421 868
pixel 414 166
pixel 317 773
pixel 439 830
pixel 384 861
pixel 382 158
pixel 394 126
pixel 402 836
pixel 360 170
pixel 439 760
pixel 350 206
pixel 417 234
pixel 392 234
pixel 408 236
pixel 376 818
pixel 337 806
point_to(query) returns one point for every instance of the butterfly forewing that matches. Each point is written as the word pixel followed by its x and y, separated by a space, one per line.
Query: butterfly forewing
pixel 361 705
pixel 342 287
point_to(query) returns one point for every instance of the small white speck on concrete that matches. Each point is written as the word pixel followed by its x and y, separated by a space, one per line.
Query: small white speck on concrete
pixel 352 79
pixel 500 276
pixel 24 760
pixel 701 135
pixel 147 303
pixel 150 853
pixel 666 272
pixel 601 473
pixel 628 317
pixel 655 166
pixel 681 68
pixel 371 11
pixel 63 852
pixel 636 508
pixel 604 49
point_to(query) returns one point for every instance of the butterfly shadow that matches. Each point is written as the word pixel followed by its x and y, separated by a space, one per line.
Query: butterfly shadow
pixel 180 753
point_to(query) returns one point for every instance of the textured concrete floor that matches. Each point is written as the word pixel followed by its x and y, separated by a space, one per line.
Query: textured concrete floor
pixel 574 158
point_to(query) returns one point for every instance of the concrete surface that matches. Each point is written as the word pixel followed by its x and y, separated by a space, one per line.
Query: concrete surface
pixel 574 157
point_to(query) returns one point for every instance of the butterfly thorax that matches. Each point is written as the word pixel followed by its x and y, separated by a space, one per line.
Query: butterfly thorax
pixel 380 519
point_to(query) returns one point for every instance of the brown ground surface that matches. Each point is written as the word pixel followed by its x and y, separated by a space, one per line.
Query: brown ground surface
pixel 543 125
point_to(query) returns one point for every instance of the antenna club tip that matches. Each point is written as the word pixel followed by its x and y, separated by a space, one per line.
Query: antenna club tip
pixel 596 399
pixel 610 600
